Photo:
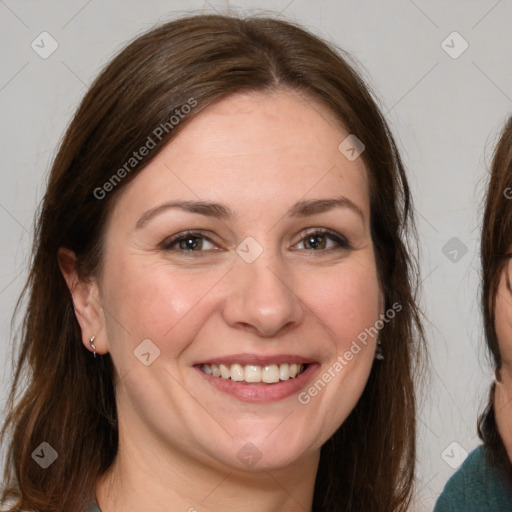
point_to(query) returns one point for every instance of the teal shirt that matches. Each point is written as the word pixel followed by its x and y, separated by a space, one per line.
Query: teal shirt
pixel 475 487
pixel 93 507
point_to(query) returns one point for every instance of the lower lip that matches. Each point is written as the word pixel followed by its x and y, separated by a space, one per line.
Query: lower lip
pixel 261 392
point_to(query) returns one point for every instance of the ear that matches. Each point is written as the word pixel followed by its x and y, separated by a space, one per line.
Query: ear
pixel 86 302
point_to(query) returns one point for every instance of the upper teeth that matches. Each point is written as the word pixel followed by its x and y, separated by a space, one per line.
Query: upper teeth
pixel 254 373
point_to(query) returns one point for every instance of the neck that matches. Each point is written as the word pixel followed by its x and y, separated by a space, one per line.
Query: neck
pixel 151 476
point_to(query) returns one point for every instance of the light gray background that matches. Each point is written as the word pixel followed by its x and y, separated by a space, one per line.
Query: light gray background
pixel 444 111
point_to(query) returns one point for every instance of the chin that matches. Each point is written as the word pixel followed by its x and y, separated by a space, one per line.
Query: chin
pixel 262 453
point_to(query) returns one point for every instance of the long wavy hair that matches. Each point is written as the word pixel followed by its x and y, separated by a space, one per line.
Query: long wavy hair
pixel 67 398
pixel 494 250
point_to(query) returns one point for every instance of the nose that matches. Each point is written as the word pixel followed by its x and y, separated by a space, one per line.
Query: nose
pixel 261 298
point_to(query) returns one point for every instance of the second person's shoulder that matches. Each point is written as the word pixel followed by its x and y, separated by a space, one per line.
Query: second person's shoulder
pixel 476 486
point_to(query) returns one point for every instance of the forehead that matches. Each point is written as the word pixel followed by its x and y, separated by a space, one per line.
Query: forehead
pixel 255 150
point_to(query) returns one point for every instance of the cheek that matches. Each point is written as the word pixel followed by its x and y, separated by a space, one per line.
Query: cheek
pixel 348 304
pixel 151 301
pixel 170 306
pixel 503 323
pixel 347 301
pixel 503 408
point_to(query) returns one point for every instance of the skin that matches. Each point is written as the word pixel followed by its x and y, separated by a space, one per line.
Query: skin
pixel 258 154
pixel 503 323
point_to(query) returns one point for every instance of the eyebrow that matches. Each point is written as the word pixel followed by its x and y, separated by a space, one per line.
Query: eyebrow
pixel 309 207
pixel 303 208
pixel 217 210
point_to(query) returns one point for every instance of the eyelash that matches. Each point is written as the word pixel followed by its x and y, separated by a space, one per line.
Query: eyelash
pixel 340 240
pixel 343 242
pixel 167 245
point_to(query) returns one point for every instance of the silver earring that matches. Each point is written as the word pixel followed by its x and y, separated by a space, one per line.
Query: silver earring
pixel 91 342
pixel 379 356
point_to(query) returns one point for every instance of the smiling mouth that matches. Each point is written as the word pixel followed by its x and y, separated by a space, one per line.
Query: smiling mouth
pixel 255 374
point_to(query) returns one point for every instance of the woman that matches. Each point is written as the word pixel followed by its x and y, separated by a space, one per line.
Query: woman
pixel 484 481
pixel 222 232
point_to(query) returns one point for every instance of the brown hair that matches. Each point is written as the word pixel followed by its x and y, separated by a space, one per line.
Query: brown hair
pixel 495 243
pixel 69 402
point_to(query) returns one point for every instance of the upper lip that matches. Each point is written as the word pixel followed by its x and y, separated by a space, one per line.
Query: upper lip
pixel 258 359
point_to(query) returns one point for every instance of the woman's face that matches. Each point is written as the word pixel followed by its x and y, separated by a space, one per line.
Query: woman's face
pixel 503 324
pixel 245 243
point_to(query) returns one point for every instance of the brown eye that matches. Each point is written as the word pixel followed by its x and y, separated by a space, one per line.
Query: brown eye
pixel 191 243
pixel 188 242
pixel 322 240
pixel 315 242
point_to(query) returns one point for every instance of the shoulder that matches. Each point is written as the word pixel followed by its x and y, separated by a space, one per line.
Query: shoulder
pixel 475 486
